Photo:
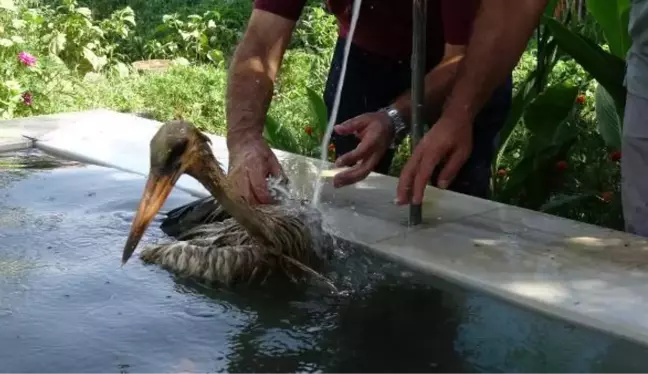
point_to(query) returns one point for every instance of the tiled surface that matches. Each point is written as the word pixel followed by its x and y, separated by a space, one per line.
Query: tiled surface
pixel 578 272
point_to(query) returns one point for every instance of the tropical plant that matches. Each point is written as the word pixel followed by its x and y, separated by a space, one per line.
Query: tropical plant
pixel 280 137
pixel 607 68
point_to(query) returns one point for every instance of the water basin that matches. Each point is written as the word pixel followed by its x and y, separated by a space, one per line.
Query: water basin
pixel 67 306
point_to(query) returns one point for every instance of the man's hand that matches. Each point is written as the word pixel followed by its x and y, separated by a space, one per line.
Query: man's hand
pixel 448 140
pixel 250 162
pixel 375 133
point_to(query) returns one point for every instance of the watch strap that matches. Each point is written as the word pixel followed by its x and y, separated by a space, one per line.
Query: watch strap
pixel 399 127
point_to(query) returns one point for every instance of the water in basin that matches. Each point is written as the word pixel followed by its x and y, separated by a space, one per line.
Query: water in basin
pixel 67 306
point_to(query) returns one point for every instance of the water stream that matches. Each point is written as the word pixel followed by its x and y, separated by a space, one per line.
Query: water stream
pixel 336 105
pixel 66 305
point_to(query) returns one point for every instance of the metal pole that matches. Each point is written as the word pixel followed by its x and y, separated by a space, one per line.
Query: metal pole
pixel 419 30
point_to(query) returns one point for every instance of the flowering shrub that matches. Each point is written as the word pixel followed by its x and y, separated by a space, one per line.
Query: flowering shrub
pixel 41 49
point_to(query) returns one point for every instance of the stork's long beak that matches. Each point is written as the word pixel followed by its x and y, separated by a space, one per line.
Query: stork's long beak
pixel 158 188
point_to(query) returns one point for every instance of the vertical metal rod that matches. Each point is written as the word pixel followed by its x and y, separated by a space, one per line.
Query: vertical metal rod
pixel 419 31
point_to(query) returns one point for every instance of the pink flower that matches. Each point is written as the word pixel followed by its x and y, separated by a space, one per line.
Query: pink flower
pixel 26 58
pixel 27 98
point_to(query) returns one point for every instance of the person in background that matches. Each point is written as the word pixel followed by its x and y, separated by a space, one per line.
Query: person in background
pixel 634 147
pixel 500 33
pixel 375 104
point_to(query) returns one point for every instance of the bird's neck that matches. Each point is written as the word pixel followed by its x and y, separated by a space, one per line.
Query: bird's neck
pixel 234 204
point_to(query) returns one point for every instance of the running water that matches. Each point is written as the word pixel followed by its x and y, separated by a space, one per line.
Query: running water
pixel 336 104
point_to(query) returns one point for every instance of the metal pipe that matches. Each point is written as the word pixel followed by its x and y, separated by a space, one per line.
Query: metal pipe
pixel 419 31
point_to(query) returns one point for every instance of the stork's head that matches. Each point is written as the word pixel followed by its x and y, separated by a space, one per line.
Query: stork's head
pixel 177 148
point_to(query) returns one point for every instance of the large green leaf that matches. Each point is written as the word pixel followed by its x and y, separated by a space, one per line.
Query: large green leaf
pixel 278 136
pixel 318 107
pixel 551 137
pixel 549 110
pixel 563 200
pixel 609 122
pixel 526 92
pixel 607 69
pixel 612 17
pixel 529 176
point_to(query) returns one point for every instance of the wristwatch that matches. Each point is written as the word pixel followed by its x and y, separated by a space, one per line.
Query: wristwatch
pixel 399 127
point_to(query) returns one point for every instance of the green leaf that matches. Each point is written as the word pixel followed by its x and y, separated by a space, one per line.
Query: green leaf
pixel 549 110
pixel 128 15
pixel 606 68
pixel 13 86
pixel 86 12
pixel 551 136
pixel 612 17
pixel 526 92
pixel 607 118
pixel 58 43
pixel 215 56
pixel 18 23
pixel 278 136
pixel 181 61
pixel 318 107
pixel 121 69
pixel 97 62
pixel 563 200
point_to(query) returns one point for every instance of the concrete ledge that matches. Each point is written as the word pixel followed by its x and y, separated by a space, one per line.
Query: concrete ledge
pixel 14 144
pixel 578 272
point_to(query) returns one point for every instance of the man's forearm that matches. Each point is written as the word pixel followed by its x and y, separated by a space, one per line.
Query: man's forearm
pixel 249 93
pixel 500 35
pixel 252 74
pixel 438 84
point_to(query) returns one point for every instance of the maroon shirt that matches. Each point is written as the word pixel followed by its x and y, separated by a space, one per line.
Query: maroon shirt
pixel 385 26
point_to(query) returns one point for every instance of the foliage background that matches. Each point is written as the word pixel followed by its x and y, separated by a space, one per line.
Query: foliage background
pixel 559 152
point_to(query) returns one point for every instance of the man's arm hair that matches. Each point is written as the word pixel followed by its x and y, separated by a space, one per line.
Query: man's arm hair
pixel 252 74
pixel 500 35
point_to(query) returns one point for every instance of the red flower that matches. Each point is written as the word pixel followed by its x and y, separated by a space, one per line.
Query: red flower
pixel 308 130
pixel 615 156
pixel 502 172
pixel 607 196
pixel 562 165
pixel 580 99
pixel 28 98
pixel 331 147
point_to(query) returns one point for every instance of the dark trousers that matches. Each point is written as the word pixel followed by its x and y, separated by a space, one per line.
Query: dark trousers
pixel 373 82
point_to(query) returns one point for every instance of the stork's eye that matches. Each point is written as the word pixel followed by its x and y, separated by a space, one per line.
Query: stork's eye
pixel 175 154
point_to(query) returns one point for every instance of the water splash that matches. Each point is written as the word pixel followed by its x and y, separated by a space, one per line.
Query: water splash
pixel 322 232
pixel 336 104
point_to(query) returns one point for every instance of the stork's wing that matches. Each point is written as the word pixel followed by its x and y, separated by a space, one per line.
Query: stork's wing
pixel 189 216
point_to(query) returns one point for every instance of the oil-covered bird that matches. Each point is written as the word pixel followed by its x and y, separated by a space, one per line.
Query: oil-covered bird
pixel 221 238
